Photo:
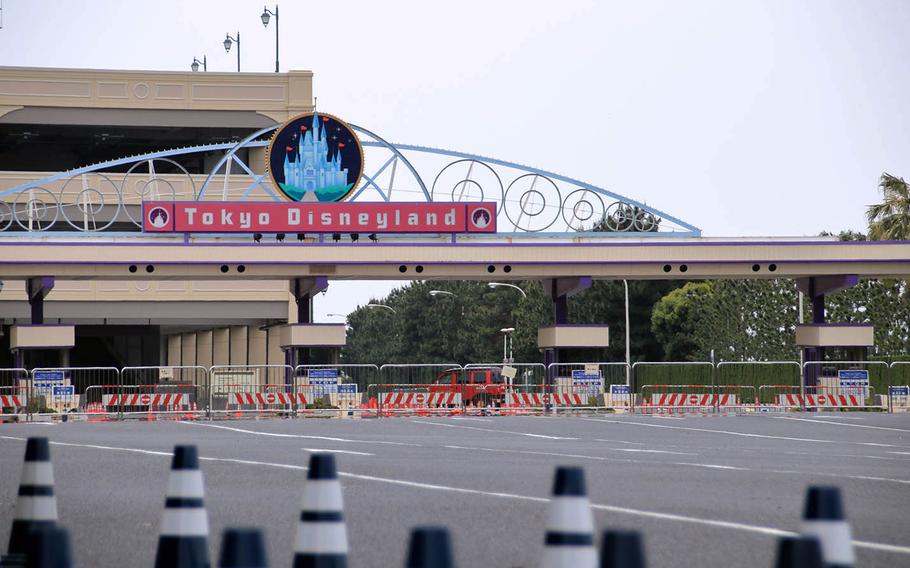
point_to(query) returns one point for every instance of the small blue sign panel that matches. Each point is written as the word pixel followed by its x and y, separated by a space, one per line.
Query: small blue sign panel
pixel 580 374
pixel 322 374
pixel 854 382
pixel 48 376
pixel 899 391
pixel 620 389
pixel 347 388
pixel 64 391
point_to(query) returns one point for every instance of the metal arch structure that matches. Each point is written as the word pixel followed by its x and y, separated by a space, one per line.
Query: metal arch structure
pixel 530 201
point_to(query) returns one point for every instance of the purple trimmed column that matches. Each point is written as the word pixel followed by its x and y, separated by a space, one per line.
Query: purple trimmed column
pixel 37 289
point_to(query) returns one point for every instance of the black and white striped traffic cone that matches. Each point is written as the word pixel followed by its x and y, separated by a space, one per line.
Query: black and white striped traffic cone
pixel 569 542
pixel 430 547
pixel 242 548
pixel 798 552
pixel 322 540
pixel 823 518
pixel 49 547
pixel 36 506
pixel 183 540
pixel 621 549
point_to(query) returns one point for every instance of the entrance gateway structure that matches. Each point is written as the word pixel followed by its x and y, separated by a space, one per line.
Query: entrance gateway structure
pixel 191 219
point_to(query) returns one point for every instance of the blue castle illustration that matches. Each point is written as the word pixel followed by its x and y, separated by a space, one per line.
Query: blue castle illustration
pixel 315 173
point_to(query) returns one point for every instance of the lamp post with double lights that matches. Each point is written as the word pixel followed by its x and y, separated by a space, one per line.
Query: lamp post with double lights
pixel 507 344
pixel 195 65
pixel 228 41
pixel 266 13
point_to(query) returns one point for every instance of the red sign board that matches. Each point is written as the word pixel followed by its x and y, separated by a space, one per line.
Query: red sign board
pixel 280 217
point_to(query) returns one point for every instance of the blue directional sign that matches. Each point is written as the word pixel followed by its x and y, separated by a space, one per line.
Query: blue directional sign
pixel 854 382
pixel 899 391
pixel 620 389
pixel 322 374
pixel 347 388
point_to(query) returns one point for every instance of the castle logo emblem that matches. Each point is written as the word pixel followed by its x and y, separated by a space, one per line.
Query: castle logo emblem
pixel 315 157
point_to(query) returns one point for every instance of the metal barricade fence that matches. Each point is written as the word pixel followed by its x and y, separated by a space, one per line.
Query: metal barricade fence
pixel 789 397
pixel 593 381
pixel 59 390
pixel 418 399
pixel 14 391
pixel 236 390
pixel 179 388
pixel 758 373
pixel 338 387
pixel 486 384
pixel 671 373
pixel 419 374
pixel 899 386
pixel 852 375
pixel 700 398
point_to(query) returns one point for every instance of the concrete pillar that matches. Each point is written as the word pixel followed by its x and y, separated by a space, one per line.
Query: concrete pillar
pixel 239 345
pixel 257 346
pixel 188 348
pixel 221 346
pixel 174 355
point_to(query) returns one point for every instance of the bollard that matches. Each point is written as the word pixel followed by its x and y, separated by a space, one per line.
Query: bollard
pixel 183 541
pixel 242 548
pixel 322 540
pixel 823 518
pixel 36 506
pixel 49 547
pixel 430 547
pixel 798 552
pixel 569 541
pixel 622 549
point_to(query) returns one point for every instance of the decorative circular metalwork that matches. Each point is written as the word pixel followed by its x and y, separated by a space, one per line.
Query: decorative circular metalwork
pixel 623 217
pixel 149 190
pixel 646 222
pixel 89 202
pixel 449 177
pixel 526 204
pixel 32 213
pixel 6 216
pixel 585 206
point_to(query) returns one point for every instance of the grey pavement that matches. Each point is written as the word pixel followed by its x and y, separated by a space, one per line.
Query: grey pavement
pixel 705 491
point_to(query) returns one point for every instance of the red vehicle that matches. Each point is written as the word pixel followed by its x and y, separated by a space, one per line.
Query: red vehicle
pixel 482 387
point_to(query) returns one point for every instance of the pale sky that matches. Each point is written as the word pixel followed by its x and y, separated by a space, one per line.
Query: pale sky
pixel 744 118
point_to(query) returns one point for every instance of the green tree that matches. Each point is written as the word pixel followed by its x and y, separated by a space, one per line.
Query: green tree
pixel 890 219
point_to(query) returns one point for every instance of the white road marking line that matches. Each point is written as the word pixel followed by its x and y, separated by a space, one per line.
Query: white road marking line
pixel 743 434
pixel 352 452
pixel 471 418
pixel 714 466
pixel 667 417
pixel 901 453
pixel 768 531
pixel 302 436
pixel 624 442
pixel 644 451
pixel 493 430
pixel 820 421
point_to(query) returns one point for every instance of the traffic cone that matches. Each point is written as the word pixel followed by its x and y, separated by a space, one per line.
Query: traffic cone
pixel 183 541
pixel 798 552
pixel 49 547
pixel 622 549
pixel 430 547
pixel 322 540
pixel 242 548
pixel 823 518
pixel 569 541
pixel 36 506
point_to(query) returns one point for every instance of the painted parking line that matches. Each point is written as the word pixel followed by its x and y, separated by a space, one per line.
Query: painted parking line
pixel 825 421
pixel 744 434
pixel 528 434
pixel 300 436
pixel 714 523
pixel 334 451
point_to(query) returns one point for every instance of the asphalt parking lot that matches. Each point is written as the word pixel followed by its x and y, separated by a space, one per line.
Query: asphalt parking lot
pixel 705 491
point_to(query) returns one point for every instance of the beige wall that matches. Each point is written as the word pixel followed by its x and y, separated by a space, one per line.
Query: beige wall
pixel 221 346
pixel 276 355
pixel 833 335
pixel 257 346
pixel 42 336
pixel 277 95
pixel 573 336
pixel 204 348
pixel 301 335
pixel 146 290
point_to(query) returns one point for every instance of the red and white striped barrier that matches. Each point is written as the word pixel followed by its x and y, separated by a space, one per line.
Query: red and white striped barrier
pixel 13 400
pixel 830 400
pixel 146 399
pixel 268 398
pixel 540 399
pixel 421 399
pixel 683 399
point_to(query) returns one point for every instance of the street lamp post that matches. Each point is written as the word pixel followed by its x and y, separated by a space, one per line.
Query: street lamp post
pixel 195 65
pixel 625 285
pixel 507 344
pixel 390 308
pixel 499 284
pixel 265 23
pixel 227 46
